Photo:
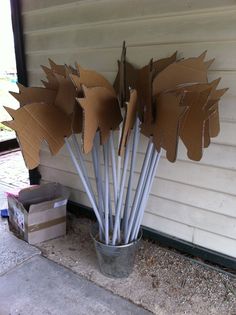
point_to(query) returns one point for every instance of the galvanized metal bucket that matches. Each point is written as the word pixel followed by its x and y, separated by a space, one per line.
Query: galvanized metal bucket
pixel 115 261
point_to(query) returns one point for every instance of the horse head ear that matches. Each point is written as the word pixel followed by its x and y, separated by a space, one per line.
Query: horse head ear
pixel 202 56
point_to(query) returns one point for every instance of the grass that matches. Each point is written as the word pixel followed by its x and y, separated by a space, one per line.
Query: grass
pixel 5 128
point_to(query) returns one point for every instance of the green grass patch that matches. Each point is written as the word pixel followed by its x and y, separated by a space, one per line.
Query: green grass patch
pixel 5 128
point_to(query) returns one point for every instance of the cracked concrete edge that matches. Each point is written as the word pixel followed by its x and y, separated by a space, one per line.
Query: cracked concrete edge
pixel 20 264
pixel 14 252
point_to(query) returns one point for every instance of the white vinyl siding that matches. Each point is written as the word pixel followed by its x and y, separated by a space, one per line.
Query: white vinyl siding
pixel 192 201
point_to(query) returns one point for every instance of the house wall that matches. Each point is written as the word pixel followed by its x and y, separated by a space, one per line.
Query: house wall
pixel 195 202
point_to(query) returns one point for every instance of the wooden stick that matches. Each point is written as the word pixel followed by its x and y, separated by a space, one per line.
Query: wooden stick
pixel 109 192
pixel 106 177
pixel 84 182
pixel 130 183
pixel 120 198
pixel 113 163
pixel 97 154
pixel 148 186
pixel 82 163
pixel 96 167
pixel 139 189
pixel 140 197
pixel 119 160
pixel 119 163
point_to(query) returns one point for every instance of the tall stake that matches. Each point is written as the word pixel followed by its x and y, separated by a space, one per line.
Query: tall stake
pixel 79 170
pixel 151 175
pixel 82 164
pixel 96 166
pixel 130 183
pixel 139 189
pixel 119 163
pixel 120 198
pixel 106 166
pixel 113 163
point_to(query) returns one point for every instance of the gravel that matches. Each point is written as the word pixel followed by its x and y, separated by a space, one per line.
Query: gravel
pixel 163 281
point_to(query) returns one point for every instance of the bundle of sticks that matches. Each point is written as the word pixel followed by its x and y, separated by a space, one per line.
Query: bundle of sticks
pixel 165 100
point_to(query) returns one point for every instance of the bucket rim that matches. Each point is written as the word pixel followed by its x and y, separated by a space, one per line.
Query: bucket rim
pixel 95 228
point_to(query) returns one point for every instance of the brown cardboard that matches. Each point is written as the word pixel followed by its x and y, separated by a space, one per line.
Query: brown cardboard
pixel 35 123
pixel 191 70
pixel 126 78
pixel 66 93
pixel 100 110
pixel 29 95
pixel 77 119
pixel 39 213
pixel 129 120
pixel 140 79
pixel 90 78
pixel 211 126
pixel 145 86
pixel 144 90
pixel 192 129
pixel 214 120
pixel 120 81
pixel 59 69
pixel 173 98
pixel 52 83
pixel 160 64
pixel 166 128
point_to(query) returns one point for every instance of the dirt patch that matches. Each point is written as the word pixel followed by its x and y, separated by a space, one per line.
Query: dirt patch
pixel 163 282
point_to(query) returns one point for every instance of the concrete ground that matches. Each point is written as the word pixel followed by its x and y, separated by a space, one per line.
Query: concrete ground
pixel 33 285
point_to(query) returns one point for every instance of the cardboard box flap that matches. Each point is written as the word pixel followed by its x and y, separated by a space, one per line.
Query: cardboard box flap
pixel 50 204
pixel 43 193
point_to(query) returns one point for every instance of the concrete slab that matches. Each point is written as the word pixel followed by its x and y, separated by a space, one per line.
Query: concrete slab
pixel 41 287
pixel 13 251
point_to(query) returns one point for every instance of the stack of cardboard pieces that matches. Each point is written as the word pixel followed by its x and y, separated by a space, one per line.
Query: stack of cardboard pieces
pixel 38 213
pixel 172 98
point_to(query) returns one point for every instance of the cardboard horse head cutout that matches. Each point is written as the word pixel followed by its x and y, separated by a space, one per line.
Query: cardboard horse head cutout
pixel 35 123
pixel 173 100
pixel 100 112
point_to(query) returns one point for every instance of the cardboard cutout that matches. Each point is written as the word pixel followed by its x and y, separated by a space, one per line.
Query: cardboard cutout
pixel 144 90
pixel 173 99
pixel 120 80
pixel 35 123
pixel 100 110
pixel 166 128
pixel 129 120
pixel 66 93
pixel 52 83
pixel 28 95
pixel 160 64
pixel 191 70
pixel 140 79
pixel 126 78
pixel 77 119
pixel 90 78
pixel 59 69
pixel 214 120
pixel 192 129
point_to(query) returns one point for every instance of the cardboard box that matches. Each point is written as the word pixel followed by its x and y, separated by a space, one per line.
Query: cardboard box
pixel 39 212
